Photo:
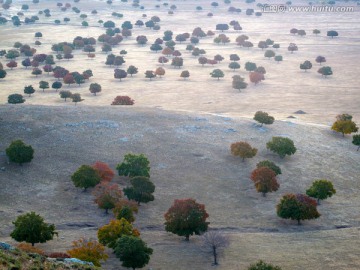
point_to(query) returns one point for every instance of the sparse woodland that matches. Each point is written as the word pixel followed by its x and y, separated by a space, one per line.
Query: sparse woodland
pixel 114 58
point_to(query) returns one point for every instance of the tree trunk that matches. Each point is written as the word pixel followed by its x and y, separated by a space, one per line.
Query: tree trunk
pixel 106 211
pixel 264 194
pixel 187 237
pixel 215 256
pixel 299 223
pixel 32 244
pixel 358 148
pixel 318 201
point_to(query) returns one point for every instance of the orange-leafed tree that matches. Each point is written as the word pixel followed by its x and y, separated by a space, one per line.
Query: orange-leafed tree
pixel 88 250
pixel 160 71
pixel 110 233
pixel 107 195
pixel 256 77
pixel 186 217
pixel 105 172
pixel 264 180
pixel 243 150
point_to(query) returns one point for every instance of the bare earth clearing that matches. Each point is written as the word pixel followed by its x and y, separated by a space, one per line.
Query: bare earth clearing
pixel 186 128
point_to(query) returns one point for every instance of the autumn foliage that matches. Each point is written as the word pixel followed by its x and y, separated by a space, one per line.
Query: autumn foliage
pixel 110 233
pixel 26 247
pixel 88 250
pixel 243 150
pixel 107 195
pixel 186 217
pixel 105 172
pixel 297 207
pixel 264 180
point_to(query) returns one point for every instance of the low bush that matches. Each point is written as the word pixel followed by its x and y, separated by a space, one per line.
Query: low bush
pixel 123 100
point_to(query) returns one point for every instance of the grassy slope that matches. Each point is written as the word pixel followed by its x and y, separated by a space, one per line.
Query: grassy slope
pixel 189 157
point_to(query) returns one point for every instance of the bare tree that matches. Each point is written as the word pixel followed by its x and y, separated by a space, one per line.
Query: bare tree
pixel 213 242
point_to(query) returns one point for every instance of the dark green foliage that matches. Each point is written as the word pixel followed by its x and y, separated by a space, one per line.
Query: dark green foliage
pixel 29 90
pixel 297 207
pixel 65 94
pixel 141 190
pixel 234 65
pixel 134 165
pixel 321 189
pixel 264 118
pixel 85 177
pixel 132 70
pixel 76 98
pixel 127 213
pixel 238 82
pixel 217 73
pixel 325 71
pixel 31 228
pixel 19 152
pixel 306 65
pixel 282 146
pixel 356 141
pixel 3 74
pixel 269 164
pixel 43 85
pixel 249 66
pixel 15 98
pixel 260 265
pixel 132 252
pixel 56 85
pixel 332 33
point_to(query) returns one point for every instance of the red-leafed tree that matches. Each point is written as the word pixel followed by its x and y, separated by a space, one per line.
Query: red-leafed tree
pixel 105 172
pixel 69 79
pixel 60 72
pixel 160 71
pixel 186 217
pixel 256 77
pixel 12 64
pixel 264 180
pixel 243 150
pixel 107 195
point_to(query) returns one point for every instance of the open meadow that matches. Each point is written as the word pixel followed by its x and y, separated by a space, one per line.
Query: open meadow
pixel 186 127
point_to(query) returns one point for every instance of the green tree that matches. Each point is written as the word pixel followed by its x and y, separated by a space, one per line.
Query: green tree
pixel 31 228
pixel 234 65
pixel 243 150
pixel 260 265
pixel 15 98
pixel 217 73
pixel 282 146
pixel 76 98
pixel 278 58
pixel 29 90
pixel 325 71
pixel 110 233
pixel 132 252
pixel 344 124
pixel 321 189
pixel 306 65
pixel 356 141
pixel 141 189
pixel 186 217
pixel 263 118
pixel 249 66
pixel 43 85
pixel 297 207
pixel 85 177
pixel 316 31
pixel 134 165
pixel 19 152
pixel 65 94
pixel 269 164
pixel 56 85
pixel 269 53
pixel 238 82
pixel 132 70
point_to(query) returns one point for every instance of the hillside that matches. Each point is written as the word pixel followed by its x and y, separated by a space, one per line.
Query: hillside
pixel 190 157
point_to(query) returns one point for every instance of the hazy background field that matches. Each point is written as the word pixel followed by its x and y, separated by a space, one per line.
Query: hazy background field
pixel 188 148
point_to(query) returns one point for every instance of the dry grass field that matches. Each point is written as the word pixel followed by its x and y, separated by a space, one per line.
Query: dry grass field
pixel 186 128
